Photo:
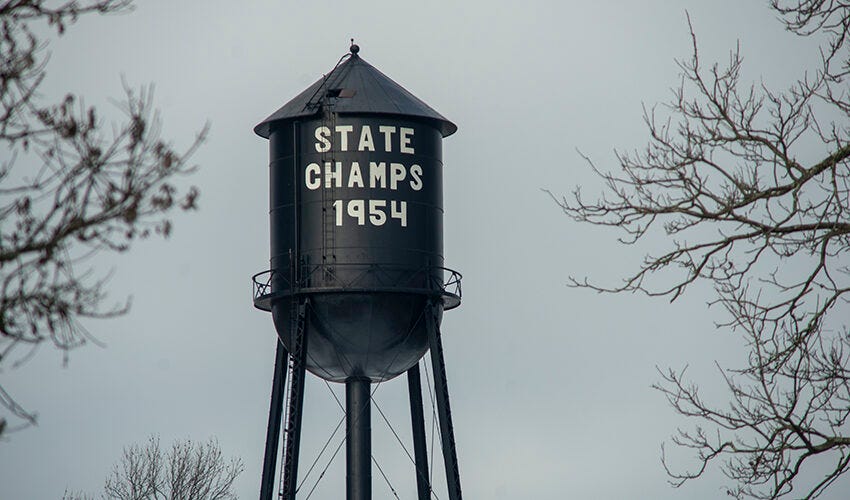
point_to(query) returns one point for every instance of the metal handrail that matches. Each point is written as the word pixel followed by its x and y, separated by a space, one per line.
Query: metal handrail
pixel 381 277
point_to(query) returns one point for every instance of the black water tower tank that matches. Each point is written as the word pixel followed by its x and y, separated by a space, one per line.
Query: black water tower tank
pixel 356 222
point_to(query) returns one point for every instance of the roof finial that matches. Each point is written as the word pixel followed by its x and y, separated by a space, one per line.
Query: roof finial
pixel 354 47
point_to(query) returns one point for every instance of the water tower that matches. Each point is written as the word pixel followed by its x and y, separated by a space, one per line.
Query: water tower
pixel 357 284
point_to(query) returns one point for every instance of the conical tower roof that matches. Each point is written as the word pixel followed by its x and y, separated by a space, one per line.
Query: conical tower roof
pixel 355 86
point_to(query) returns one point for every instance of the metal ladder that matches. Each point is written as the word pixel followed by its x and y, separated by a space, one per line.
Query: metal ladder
pixel 292 419
pixel 328 192
pixel 441 388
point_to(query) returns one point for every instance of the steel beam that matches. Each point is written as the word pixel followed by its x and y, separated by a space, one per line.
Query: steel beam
pixel 296 405
pixel 273 430
pixel 417 418
pixel 443 409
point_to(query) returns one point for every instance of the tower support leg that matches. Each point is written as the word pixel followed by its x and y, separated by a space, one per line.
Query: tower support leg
pixel 358 446
pixel 443 409
pixel 295 409
pixel 417 418
pixel 273 430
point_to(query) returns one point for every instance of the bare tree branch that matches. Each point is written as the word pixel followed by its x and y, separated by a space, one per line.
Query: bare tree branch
pixel 71 187
pixel 729 178
pixel 190 471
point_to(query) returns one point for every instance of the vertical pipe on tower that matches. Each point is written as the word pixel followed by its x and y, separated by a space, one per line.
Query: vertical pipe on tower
pixel 358 448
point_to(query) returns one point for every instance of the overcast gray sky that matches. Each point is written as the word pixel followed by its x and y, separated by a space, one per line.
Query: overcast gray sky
pixel 550 386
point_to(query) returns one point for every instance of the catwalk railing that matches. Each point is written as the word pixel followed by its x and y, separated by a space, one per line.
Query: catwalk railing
pixel 275 284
